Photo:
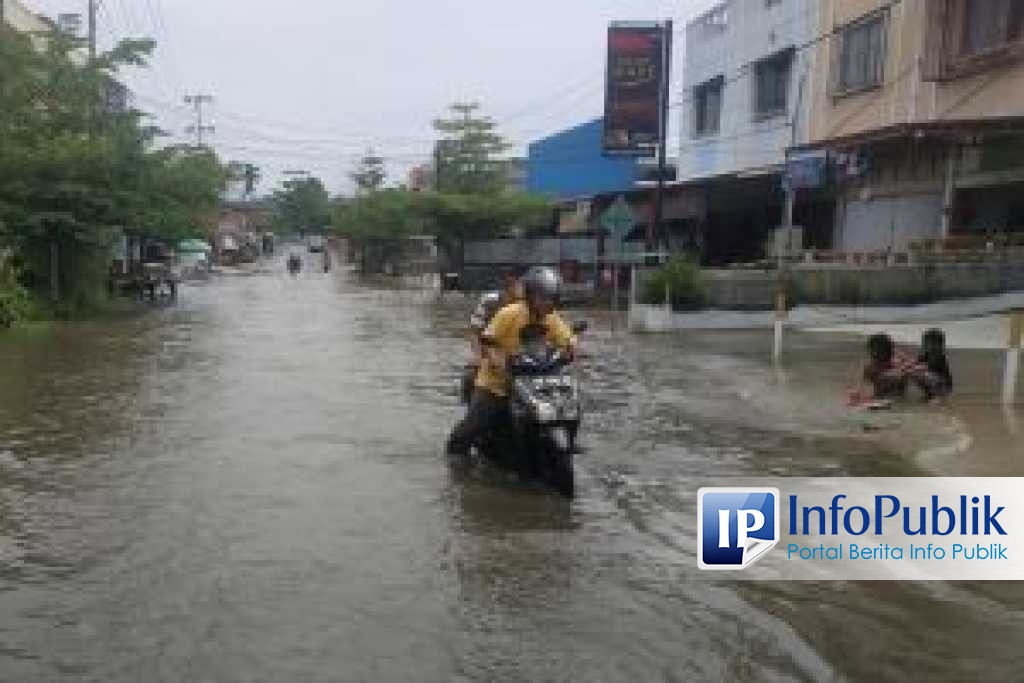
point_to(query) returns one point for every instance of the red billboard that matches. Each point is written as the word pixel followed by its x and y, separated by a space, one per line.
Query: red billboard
pixel 638 60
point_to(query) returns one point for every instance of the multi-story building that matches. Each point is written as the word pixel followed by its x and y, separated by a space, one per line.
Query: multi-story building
pixel 919 105
pixel 744 86
pixel 745 99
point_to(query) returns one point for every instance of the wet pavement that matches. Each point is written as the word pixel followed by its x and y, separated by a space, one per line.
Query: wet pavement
pixel 249 486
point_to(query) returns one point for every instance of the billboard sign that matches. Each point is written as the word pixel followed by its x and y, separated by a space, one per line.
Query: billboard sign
pixel 638 56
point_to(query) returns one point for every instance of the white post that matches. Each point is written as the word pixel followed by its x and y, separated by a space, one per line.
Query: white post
pixel 615 293
pixel 632 298
pixel 780 316
pixel 949 190
pixel 1013 357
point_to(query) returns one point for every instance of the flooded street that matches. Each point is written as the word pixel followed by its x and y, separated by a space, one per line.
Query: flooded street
pixel 250 486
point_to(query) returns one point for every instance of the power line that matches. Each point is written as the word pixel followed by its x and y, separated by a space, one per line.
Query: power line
pixel 173 57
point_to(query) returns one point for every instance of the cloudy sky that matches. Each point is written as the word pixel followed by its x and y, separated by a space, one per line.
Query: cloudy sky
pixel 311 84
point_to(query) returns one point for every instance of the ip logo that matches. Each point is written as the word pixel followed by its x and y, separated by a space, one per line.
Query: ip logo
pixel 736 527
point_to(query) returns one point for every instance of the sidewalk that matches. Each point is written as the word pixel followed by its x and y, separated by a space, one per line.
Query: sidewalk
pixel 646 318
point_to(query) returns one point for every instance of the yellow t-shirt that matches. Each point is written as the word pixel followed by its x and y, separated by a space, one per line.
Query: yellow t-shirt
pixel 504 330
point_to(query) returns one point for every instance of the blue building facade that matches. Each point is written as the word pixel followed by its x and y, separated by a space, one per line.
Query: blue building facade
pixel 570 165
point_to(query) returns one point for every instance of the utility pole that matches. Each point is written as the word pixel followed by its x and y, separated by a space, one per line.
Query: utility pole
pixel 252 177
pixel 659 196
pixel 92 30
pixel 782 294
pixel 199 128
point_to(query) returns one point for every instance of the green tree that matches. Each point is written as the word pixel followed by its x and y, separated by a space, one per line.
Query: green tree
pixel 466 154
pixel 301 205
pixel 370 173
pixel 451 218
pixel 75 172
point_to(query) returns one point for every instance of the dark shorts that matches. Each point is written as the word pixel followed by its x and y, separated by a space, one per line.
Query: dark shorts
pixel 484 412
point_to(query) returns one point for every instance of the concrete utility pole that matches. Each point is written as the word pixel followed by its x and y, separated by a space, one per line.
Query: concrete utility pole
pixel 199 128
pixel 92 30
pixel 659 238
pixel 782 295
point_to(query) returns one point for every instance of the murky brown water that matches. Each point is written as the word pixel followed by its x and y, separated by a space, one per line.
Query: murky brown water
pixel 249 487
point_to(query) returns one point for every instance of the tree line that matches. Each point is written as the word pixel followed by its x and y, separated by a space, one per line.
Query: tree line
pixel 77 172
pixel 469 194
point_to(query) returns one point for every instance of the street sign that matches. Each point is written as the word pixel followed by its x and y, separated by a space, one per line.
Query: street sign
pixel 805 171
pixel 618 219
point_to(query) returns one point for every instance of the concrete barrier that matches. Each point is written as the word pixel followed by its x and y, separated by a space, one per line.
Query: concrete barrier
pixel 751 290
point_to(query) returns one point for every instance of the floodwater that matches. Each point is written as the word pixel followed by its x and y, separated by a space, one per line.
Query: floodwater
pixel 249 486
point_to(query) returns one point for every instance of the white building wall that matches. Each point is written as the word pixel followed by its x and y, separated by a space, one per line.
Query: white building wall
pixel 20 18
pixel 751 31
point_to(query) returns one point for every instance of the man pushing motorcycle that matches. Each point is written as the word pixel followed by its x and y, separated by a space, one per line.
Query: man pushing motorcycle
pixel 501 337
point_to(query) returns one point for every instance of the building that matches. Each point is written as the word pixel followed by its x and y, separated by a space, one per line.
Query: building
pixel 20 18
pixel 743 86
pixel 23 20
pixel 919 107
pixel 420 178
pixel 744 101
pixel 570 165
pixel 238 229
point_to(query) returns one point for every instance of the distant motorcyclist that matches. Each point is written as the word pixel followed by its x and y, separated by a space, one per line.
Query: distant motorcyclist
pixel 294 263
pixel 501 338
pixel 490 303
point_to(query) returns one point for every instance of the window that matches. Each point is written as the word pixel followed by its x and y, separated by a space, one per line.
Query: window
pixel 715 20
pixel 707 99
pixel 991 24
pixel 771 84
pixel 861 55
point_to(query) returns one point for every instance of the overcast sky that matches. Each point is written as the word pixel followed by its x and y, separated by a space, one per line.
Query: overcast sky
pixel 311 84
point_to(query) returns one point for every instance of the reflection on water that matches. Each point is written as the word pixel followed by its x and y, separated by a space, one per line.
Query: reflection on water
pixel 249 486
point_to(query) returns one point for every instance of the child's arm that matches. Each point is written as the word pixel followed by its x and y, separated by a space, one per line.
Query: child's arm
pixel 864 390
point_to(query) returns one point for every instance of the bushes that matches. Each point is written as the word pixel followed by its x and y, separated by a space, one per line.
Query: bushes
pixel 14 305
pixel 681 277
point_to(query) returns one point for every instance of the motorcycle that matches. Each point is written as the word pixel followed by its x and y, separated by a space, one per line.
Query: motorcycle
pixel 294 264
pixel 538 437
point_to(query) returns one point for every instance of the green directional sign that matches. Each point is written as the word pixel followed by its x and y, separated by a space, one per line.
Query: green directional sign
pixel 618 219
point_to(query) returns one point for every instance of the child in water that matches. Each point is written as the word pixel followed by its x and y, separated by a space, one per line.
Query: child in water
pixel 885 372
pixel 889 372
pixel 932 374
